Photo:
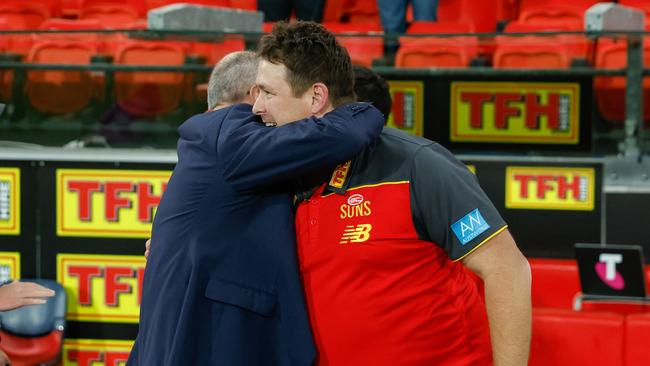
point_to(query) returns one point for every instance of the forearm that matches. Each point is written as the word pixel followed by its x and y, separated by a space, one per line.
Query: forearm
pixel 507 299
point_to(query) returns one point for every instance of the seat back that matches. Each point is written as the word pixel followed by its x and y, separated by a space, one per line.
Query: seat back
pixel 59 91
pixel 565 337
pixel 146 93
pixel 481 14
pixel 564 14
pixel 363 50
pixel 555 282
pixel 637 333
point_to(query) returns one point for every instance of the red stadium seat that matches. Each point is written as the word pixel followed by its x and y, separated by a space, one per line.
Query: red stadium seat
pixel 581 4
pixel 361 11
pixel 578 46
pixel 566 15
pixel 610 90
pixel 637 333
pixel 445 52
pixel 565 337
pixel 139 6
pixel 29 15
pixel 555 282
pixel 214 51
pixel 481 14
pixel 507 10
pixel 333 11
pixel 244 4
pixel 149 93
pixel 531 53
pixel 112 16
pixel 363 50
pixel 57 91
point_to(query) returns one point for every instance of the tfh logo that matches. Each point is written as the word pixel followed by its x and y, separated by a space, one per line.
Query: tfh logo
pixel 606 270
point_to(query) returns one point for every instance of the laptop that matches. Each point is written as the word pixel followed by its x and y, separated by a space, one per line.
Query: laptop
pixel 611 271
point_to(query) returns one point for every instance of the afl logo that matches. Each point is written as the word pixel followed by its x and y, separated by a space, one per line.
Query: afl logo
pixel 355 199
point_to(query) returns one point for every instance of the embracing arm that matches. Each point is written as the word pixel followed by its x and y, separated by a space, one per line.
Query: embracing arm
pixel 506 276
pixel 253 155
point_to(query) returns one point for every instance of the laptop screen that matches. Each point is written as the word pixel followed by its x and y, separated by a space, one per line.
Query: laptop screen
pixel 611 270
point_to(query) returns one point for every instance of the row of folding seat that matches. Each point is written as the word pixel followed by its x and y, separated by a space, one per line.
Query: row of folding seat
pixel 138 93
pixel 601 333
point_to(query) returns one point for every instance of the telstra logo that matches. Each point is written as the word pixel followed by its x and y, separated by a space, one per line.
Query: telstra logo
pixel 606 270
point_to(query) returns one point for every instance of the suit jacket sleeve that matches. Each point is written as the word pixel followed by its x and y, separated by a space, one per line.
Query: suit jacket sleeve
pixel 253 156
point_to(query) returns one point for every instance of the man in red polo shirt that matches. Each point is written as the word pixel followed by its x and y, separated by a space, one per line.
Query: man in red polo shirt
pixel 385 241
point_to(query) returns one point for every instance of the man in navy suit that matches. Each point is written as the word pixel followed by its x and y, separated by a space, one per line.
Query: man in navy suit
pixel 221 284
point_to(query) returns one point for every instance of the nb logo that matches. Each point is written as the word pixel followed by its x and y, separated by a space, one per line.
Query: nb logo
pixel 356 234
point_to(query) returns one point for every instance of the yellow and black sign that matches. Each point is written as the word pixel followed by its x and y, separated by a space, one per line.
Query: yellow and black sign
pixel 107 203
pixel 407 111
pixel 101 288
pixel 9 201
pixel 515 112
pixel 550 188
pixel 96 352
pixel 9 266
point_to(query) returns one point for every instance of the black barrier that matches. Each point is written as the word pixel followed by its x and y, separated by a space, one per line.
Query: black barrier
pixel 488 112
pixel 548 205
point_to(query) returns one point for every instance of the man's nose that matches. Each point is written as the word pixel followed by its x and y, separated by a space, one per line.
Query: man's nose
pixel 258 106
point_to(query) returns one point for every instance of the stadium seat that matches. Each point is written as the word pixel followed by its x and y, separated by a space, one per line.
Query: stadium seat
pixel 637 333
pixel 146 94
pixel 577 46
pixel 33 335
pixel 27 14
pixel 442 52
pixel 214 51
pixel 58 91
pixel 555 282
pixel 481 14
pixel 530 52
pixel 565 337
pixel 333 11
pixel 361 11
pixel 530 4
pixel 565 15
pixel 138 5
pixel 610 90
pixel 363 49
pixel 507 10
pixel 112 16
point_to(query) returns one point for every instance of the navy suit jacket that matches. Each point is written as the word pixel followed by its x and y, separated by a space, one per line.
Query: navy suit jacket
pixel 221 285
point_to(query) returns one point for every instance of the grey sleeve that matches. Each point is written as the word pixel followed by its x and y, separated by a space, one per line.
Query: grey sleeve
pixel 449 207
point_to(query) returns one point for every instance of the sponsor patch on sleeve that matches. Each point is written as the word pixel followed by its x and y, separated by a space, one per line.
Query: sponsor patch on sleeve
pixel 470 226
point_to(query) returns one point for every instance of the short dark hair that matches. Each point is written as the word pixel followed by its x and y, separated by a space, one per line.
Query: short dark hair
pixel 311 54
pixel 371 87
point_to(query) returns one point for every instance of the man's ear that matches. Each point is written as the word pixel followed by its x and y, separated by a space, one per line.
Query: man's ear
pixel 320 98
pixel 253 92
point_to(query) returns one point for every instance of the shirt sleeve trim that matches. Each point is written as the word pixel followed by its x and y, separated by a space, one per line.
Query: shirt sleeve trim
pixel 481 243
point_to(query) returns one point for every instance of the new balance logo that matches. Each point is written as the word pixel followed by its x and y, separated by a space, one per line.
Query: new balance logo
pixel 356 234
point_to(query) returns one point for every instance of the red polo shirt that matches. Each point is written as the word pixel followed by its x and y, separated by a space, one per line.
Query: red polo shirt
pixel 379 249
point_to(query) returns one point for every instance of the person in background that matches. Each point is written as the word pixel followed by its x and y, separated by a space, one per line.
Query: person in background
pixel 372 88
pixel 393 18
pixel 275 10
pixel 16 294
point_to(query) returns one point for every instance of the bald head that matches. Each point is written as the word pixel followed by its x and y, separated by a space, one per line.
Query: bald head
pixel 232 79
